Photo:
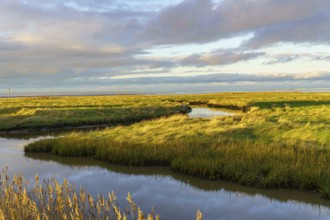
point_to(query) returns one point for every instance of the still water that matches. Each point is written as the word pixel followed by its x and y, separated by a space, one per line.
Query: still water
pixel 173 196
pixel 208 113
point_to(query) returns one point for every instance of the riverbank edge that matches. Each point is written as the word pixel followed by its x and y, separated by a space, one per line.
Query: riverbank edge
pixel 49 146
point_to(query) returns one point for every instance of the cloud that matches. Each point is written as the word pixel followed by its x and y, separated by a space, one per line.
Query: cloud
pixel 72 83
pixel 203 21
pixel 321 58
pixel 219 58
pixel 315 30
pixel 283 59
pixel 9 45
pixel 222 78
pixel 45 42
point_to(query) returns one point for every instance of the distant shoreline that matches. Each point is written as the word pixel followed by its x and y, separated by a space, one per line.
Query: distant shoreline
pixel 18 95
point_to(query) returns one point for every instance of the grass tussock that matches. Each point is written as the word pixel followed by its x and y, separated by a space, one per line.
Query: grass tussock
pixel 50 199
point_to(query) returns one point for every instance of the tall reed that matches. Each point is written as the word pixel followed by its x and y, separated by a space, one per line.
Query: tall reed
pixel 49 199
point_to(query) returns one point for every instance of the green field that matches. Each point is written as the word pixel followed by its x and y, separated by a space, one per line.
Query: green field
pixel 277 140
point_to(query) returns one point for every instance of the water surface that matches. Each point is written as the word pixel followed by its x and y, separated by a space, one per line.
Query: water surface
pixel 208 113
pixel 173 196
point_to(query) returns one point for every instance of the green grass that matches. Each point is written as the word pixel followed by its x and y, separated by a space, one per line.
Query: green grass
pixel 282 141
pixel 58 112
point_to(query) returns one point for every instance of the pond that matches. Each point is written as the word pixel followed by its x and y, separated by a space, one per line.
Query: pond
pixel 172 195
pixel 208 113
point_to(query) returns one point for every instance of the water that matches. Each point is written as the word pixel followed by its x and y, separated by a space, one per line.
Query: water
pixel 207 113
pixel 173 196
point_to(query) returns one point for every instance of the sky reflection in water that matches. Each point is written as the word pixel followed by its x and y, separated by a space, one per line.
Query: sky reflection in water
pixel 207 113
pixel 173 196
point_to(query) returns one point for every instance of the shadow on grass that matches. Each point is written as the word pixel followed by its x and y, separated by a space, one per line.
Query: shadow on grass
pixel 293 104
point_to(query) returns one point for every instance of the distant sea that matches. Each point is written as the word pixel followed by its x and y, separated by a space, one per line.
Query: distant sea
pixel 32 94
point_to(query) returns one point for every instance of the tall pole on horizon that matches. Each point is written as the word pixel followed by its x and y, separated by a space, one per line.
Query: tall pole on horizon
pixel 8 92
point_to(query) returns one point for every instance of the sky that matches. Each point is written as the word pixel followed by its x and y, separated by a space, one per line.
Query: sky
pixel 168 46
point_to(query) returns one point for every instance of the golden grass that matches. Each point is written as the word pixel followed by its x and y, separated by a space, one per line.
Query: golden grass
pixel 50 199
pixel 53 200
pixel 58 112
pixel 283 143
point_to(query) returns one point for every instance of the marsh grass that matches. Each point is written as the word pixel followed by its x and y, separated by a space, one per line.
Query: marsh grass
pixel 261 164
pixel 280 145
pixel 49 199
pixel 58 112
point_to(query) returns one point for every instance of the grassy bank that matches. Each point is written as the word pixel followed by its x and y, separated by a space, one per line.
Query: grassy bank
pixel 49 199
pixel 283 143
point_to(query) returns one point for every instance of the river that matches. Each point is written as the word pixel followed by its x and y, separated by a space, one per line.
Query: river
pixel 172 195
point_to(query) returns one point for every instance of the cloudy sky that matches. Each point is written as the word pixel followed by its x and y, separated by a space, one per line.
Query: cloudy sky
pixel 164 46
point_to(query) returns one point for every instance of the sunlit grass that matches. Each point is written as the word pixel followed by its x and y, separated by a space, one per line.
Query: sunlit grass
pixel 278 140
pixel 59 112
pixel 279 144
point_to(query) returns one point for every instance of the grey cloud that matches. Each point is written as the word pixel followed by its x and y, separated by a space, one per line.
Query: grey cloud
pixel 321 58
pixel 70 25
pixel 183 23
pixel 10 45
pixel 191 21
pixel 215 58
pixel 59 59
pixel 53 37
pixel 220 58
pixel 315 29
pixel 201 21
pixel 69 39
pixel 250 15
pixel 283 59
pixel 291 57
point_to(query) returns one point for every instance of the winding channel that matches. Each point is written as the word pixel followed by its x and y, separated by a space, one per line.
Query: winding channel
pixel 173 196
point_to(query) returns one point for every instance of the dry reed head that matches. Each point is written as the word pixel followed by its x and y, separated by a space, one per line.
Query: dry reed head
pixel 53 200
